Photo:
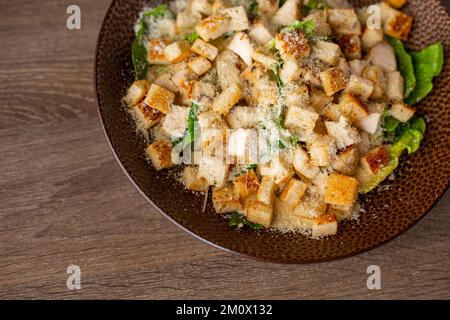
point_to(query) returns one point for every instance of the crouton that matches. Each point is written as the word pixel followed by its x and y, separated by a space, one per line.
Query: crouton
pixel 398 25
pixel 341 212
pixel 293 192
pixel 241 146
pixel 159 98
pixel 322 149
pixel 320 17
pixel 226 200
pixel 376 76
pixel 160 154
pixel 204 49
pixel 402 111
pixel 288 13
pixel 268 7
pixel 266 190
pixel 165 81
pixel 213 131
pixel 237 17
pixel 155 53
pixel 301 121
pixel 370 123
pixel 350 46
pixel 344 134
pixel 279 168
pixel 202 93
pixel 352 108
pixel 175 122
pixel 357 66
pixel 227 99
pixel 259 213
pixel 146 116
pixel 199 65
pixel 192 182
pixel 328 52
pixel 260 33
pixel 227 70
pixel 303 165
pixel 266 92
pixel 247 183
pixel 292 44
pixel 383 55
pixel 213 26
pixel 346 160
pixel 332 112
pixel 333 80
pixel 344 21
pixel 290 71
pixel 186 21
pixel 395 86
pixel 177 51
pixel 371 37
pixel 397 3
pixel 240 44
pixel 324 226
pixel 243 117
pixel 264 59
pixel 253 74
pixel 312 206
pixel 296 95
pixel 341 190
pixel 136 93
pixel 375 159
pixel 359 86
pixel 319 100
pixel 213 170
pixel 200 7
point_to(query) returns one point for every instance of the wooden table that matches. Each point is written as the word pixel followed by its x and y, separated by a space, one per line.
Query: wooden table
pixel 64 200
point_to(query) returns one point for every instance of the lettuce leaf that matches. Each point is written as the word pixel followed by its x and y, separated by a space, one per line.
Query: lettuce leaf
pixel 405 65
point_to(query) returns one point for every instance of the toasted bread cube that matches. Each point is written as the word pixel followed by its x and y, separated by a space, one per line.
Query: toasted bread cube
pixel 192 182
pixel 200 7
pixel 320 17
pixel 290 71
pixel 227 99
pixel 227 69
pixel 165 81
pixel 176 51
pixel 344 21
pixel 375 159
pixel 296 95
pixel 266 190
pixel 319 100
pixel 303 165
pixel 332 112
pixel 213 26
pixel 253 74
pixel 397 3
pixel 266 93
pixel 279 168
pixel 213 170
pixel 324 226
pixel 341 212
pixel 395 86
pixel 160 154
pixel 346 160
pixel 146 116
pixel 352 108
pixel 326 51
pixel 371 37
pixel 344 134
pixel 312 206
pixel 357 66
pixel 376 76
pixel 199 65
pixel 159 98
pixel 263 59
pixel 247 183
pixel 398 25
pixel 243 117
pixel 186 21
pixel 359 86
pixel 213 130
pixel 402 111
pixel 241 145
pixel 175 122
pixel 370 123
pixel 301 121
pixel 383 55
pixel 240 44
pixel 136 93
pixel 259 213
pixel 292 44
pixel 204 49
pixel 260 33
pixel 333 80
pixel 287 14
pixel 267 7
pixel 322 149
pixel 155 54
pixel 225 200
pixel 293 192
pixel 351 46
pixel 237 17
pixel 341 190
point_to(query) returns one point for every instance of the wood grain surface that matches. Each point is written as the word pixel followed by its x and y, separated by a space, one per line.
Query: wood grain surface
pixel 64 200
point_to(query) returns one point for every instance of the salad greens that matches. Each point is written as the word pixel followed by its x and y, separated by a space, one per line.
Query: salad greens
pixel 191 37
pixel 238 220
pixel 405 65
pixel 192 130
pixel 313 5
pixel 253 9
pixel 308 27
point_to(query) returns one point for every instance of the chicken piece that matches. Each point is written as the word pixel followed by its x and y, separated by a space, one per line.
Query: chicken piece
pixel 383 55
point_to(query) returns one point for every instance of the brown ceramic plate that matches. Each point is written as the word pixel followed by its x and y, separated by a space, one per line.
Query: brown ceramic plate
pixel 420 181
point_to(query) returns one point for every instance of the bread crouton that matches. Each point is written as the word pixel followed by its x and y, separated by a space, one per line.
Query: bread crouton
pixel 370 123
pixel 238 20
pixel 324 226
pixel 213 169
pixel 303 164
pixel 346 160
pixel 204 49
pixel 319 100
pixel 360 87
pixel 247 183
pixel 327 52
pixel 200 7
pixel 213 26
pixel 287 13
pixel 174 123
pixel 279 168
pixel 371 37
pixel 177 51
pixel 260 33
pixel 165 81
pixel 344 21
pixel 296 95
pixel 266 92
pixel 322 149
pixel 301 121
pixel 266 190
pixel 136 93
pixel 227 69
pixel 376 75
pixel 186 21
pixel 352 108
pixel 344 134
pixel 201 93
pixel 290 71
pixel 341 212
pixel 320 17
pixel 292 44
pixel 264 59
pixel 199 65
pixel 310 207
pixel 241 146
pixel 268 7
pixel 341 190
pixel 357 66
pixel 293 192
pixel 398 25
pixel 160 154
pixel 155 54
pixel 191 180
pixel 259 213
pixel 146 116
pixel 332 112
pixel 395 86
pixel 241 45
pixel 159 98
pixel 227 99
pixel 243 117
pixel 375 159
pixel 333 80
pixel 383 55
pixel 402 111
pixel 350 46
pixel 226 200
pixel 213 132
